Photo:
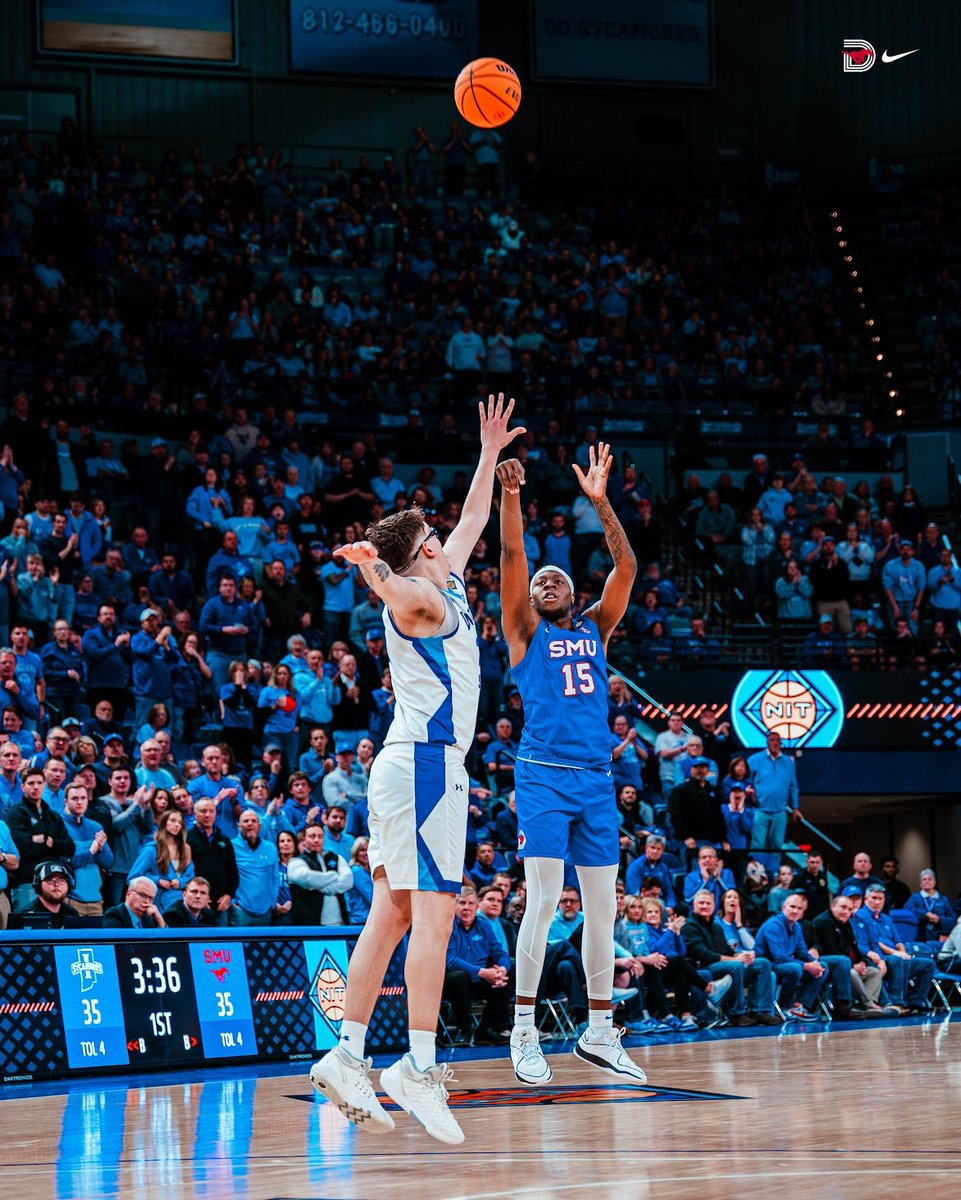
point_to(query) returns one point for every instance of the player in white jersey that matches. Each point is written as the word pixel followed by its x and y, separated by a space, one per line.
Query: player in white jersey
pixel 417 795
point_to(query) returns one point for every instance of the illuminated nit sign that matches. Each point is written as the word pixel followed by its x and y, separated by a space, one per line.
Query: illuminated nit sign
pixel 804 707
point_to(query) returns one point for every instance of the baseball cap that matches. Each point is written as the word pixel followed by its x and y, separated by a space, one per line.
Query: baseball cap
pixel 852 891
pixel 272 748
pixel 374 631
pixel 345 746
pixel 700 762
pixel 69 722
pixel 252 662
pixel 158 441
pixel 113 737
pixel 149 612
pixel 46 870
pixel 755 871
pixel 316 546
pixel 829 537
pixel 905 542
pixel 826 619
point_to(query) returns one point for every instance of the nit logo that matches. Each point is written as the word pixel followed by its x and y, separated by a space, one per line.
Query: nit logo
pixel 859 56
pixel 804 707
pixel 327 990
pixel 88 968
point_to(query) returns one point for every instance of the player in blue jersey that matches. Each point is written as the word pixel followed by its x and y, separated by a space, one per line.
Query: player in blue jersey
pixel 417 796
pixel 563 780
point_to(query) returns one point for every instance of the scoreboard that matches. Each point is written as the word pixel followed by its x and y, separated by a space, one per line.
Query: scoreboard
pixel 90 1000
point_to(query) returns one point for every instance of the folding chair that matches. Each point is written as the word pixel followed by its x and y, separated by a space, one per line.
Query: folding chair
pixel 950 981
pixel 557 1008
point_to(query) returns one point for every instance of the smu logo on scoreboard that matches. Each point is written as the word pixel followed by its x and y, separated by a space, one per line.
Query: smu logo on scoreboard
pixel 804 707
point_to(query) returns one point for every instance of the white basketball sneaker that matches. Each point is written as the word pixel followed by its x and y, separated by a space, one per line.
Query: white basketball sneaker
pixel 605 1051
pixel 530 1065
pixel 345 1081
pixel 424 1096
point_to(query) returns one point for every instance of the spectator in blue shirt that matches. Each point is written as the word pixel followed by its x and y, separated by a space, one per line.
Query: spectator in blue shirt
pixel 935 912
pixel 339 577
pixel 258 864
pixel 106 651
pixel 944 588
pixel 776 790
pixel 63 671
pixel 92 852
pixel 153 664
pixel 903 580
pixel 227 561
pixel 908 979
pixel 628 754
pixel 9 861
pixel 478 968
pixel 708 876
pixel 225 622
pixel 801 974
pixel 361 895
pixel 171 589
pixel 650 864
pixel 167 860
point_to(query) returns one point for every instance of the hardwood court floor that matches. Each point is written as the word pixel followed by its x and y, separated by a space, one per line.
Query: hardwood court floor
pixel 871 1112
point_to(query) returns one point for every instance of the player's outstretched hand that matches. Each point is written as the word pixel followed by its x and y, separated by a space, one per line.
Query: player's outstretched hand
pixel 356 552
pixel 511 475
pixel 494 417
pixel 594 482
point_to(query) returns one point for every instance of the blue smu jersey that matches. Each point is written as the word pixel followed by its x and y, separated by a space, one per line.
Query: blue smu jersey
pixel 563 681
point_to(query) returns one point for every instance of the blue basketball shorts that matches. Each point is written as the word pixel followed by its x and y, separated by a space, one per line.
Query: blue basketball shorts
pixel 567 811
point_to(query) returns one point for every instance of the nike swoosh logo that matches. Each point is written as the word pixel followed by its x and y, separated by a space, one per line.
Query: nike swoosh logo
pixel 885 57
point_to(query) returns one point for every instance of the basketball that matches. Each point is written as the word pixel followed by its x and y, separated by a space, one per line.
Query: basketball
pixel 487 93
pixel 330 992
pixel 788 708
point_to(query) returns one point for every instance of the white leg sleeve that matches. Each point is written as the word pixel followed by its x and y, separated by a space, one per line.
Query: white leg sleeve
pixel 545 878
pixel 600 910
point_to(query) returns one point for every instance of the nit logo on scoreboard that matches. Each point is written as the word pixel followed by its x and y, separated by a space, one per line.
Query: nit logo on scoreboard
pixel 804 707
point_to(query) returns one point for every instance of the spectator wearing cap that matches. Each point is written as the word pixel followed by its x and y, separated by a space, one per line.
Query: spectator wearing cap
pixel 373 661
pixel 696 811
pixel 225 622
pixel 159 488
pixel 153 663
pixel 831 583
pixel 775 785
pixel 903 581
pixel 370 611
pixel 908 979
pixel 944 588
pixel 346 785
pixel 935 912
pixel 825 647
pixel 106 651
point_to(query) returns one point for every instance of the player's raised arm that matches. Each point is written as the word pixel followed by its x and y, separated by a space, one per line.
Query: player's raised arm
pixel 416 606
pixel 518 619
pixel 616 596
pixel 494 436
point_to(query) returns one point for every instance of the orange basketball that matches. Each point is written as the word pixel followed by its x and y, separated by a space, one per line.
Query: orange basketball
pixel 487 93
pixel 788 708
pixel 330 991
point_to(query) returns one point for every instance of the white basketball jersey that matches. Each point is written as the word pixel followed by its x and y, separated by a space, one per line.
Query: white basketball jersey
pixel 436 680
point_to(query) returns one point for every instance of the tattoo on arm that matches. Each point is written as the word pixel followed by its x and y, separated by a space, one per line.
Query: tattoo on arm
pixel 381 570
pixel 617 542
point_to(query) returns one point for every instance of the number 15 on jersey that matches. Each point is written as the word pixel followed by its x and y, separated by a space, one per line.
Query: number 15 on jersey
pixel 578 679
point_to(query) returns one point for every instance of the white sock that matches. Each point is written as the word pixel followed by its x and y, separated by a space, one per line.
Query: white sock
pixel 600 1022
pixel 352 1037
pixel 423 1048
pixel 523 1016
